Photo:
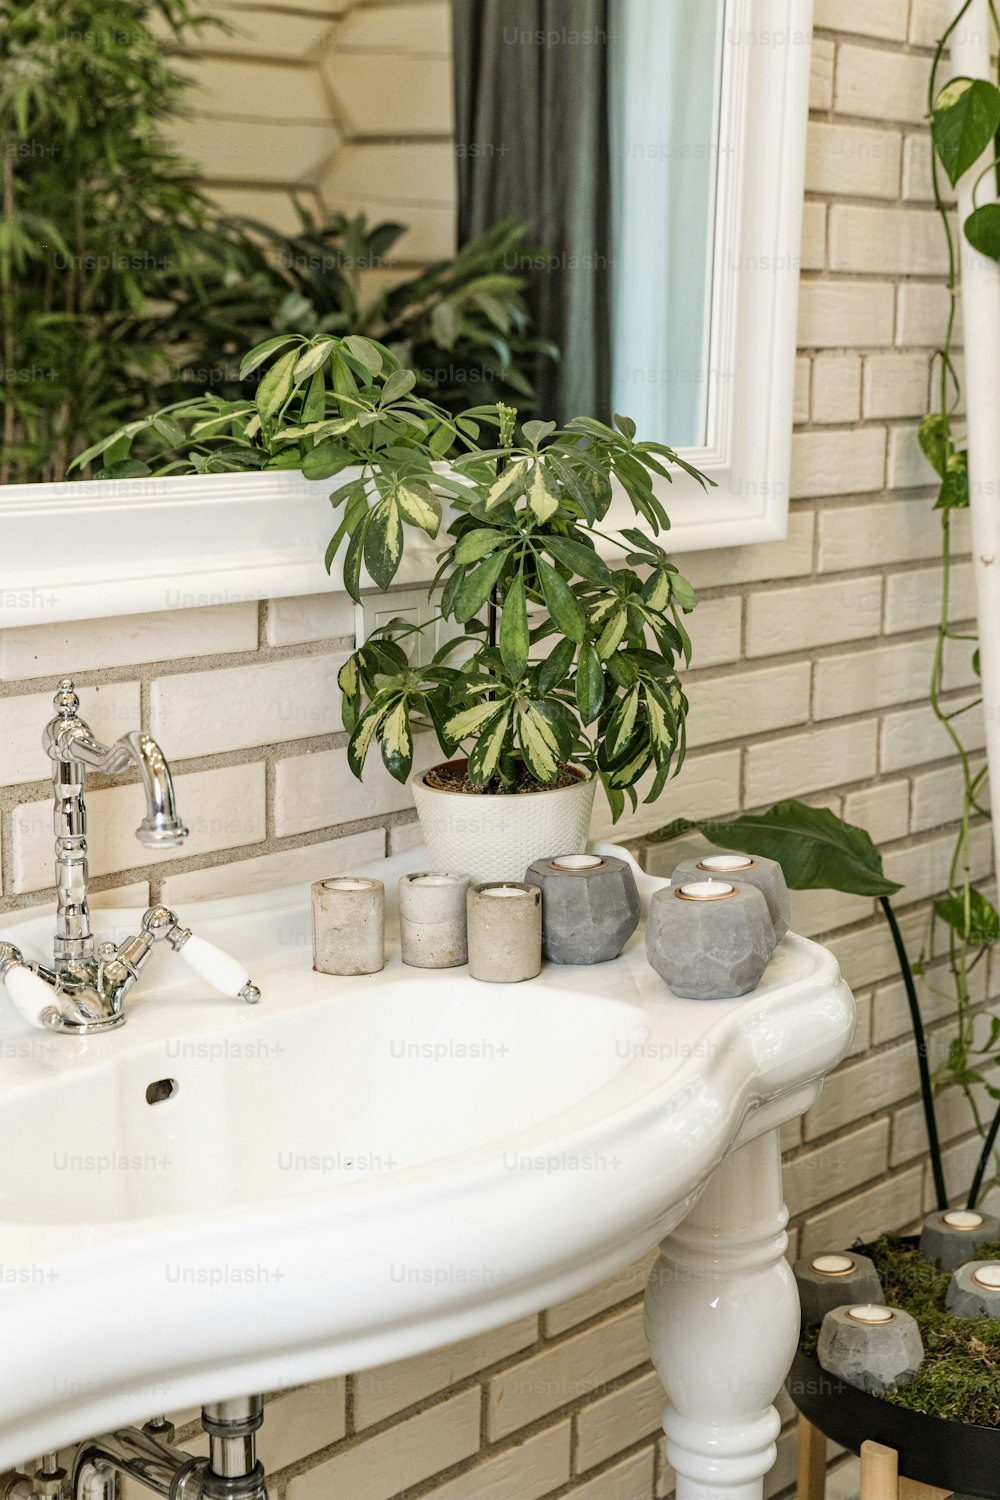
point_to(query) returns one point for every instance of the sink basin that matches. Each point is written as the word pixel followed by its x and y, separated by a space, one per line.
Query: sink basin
pixel 219 1199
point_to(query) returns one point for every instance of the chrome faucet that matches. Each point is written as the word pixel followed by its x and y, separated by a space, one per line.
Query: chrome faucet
pixel 85 989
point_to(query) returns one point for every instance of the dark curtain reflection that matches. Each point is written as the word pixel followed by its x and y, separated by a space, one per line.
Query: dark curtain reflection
pixel 531 95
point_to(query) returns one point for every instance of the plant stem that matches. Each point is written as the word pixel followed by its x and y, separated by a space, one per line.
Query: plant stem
pixel 984 1157
pixel 916 1020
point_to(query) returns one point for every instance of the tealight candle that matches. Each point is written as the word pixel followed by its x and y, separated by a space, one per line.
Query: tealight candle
pixel 577 862
pixel 988 1275
pixel 348 925
pixel 505 931
pixel 870 1313
pixel 962 1218
pixel 432 922
pixel 832 1265
pixel 723 862
pixel 705 890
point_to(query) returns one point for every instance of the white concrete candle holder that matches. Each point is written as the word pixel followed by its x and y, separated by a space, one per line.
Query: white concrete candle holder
pixel 829 1281
pixel 975 1290
pixel 948 1238
pixel 590 906
pixel 432 919
pixel 505 931
pixel 348 925
pixel 743 869
pixel 709 939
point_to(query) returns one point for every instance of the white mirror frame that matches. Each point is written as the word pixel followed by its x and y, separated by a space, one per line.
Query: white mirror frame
pixel 83 550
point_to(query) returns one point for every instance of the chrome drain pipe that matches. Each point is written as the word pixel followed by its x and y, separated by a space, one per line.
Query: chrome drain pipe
pixel 233 1472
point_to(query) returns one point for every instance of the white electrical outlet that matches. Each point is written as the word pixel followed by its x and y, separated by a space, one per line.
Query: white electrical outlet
pixel 412 605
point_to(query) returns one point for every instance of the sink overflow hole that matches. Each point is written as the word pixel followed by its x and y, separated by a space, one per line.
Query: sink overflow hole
pixel 163 1088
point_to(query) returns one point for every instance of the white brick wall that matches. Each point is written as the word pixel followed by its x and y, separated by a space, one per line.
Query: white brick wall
pixel 812 661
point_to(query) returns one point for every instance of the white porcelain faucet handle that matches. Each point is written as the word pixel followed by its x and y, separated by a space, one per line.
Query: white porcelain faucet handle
pixel 219 969
pixel 31 996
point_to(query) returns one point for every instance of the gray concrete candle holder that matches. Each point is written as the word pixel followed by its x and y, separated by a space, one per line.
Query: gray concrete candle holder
pixel 872 1347
pixel 432 919
pixel 743 869
pixel 710 940
pixel 975 1290
pixel 348 925
pixel 590 906
pixel 829 1281
pixel 948 1238
pixel 505 931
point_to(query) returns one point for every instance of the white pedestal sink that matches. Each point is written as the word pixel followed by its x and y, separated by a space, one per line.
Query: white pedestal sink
pixel 360 1169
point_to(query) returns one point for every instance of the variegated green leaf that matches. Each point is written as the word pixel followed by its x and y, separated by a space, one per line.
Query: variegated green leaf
pixel 347 678
pixel 396 741
pixel 475 544
pixel 276 386
pixel 507 486
pixel 538 744
pixel 541 500
pixel 360 741
pixel 611 636
pixel 589 683
pixel 384 542
pixel 624 776
pixel 420 506
pixel 486 754
pixel 622 725
pixel 656 592
pixel 470 720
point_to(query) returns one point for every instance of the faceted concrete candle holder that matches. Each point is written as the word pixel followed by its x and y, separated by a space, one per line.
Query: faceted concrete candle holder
pixel 743 869
pixel 432 919
pixel 975 1290
pixel 709 939
pixel 590 906
pixel 870 1346
pixel 829 1281
pixel 505 931
pixel 949 1238
pixel 348 925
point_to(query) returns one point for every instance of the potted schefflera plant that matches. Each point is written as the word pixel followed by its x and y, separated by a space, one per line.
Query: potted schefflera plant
pixel 557 670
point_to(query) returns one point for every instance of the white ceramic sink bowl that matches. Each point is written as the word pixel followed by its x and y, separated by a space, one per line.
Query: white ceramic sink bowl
pixel 355 1170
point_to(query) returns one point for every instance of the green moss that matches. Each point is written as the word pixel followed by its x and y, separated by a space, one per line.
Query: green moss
pixel 960 1377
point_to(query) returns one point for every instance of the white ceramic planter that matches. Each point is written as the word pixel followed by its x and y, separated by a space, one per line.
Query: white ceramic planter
pixel 498 837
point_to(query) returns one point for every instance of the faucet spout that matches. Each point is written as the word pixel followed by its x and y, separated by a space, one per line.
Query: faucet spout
pixel 161 828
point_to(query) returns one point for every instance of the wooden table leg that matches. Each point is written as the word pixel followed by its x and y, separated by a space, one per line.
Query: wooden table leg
pixel 811 1477
pixel 879 1472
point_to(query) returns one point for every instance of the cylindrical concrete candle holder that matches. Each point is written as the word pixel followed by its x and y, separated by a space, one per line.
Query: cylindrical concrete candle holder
pixel 829 1281
pixel 348 925
pixel 975 1290
pixel 505 932
pixel 432 919
pixel 948 1238
pixel 590 906
pixel 870 1346
pixel 709 939
pixel 743 869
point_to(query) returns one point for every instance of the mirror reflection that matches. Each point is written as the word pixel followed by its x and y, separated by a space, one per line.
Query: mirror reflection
pixel 517 196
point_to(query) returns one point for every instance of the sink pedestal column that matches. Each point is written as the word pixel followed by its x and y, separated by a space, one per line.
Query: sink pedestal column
pixel 722 1323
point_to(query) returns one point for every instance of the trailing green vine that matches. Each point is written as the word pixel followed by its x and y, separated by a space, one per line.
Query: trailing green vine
pixel 965 116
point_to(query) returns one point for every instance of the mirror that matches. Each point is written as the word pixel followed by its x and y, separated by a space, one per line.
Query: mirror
pixel 656 145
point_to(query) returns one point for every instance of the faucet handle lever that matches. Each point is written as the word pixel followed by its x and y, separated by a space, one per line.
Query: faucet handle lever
pixel 32 997
pixel 218 968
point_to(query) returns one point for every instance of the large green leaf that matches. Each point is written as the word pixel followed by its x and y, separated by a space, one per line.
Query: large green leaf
pixel 561 603
pixel 514 638
pixel 579 557
pixel 982 230
pixel 589 683
pixel 963 123
pixel 816 849
pixel 276 386
pixel 396 741
pixel 475 587
pixel 982 925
